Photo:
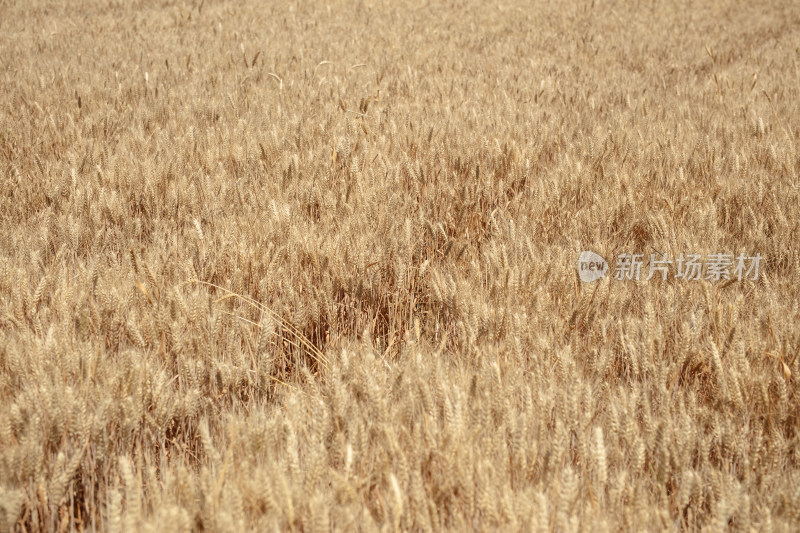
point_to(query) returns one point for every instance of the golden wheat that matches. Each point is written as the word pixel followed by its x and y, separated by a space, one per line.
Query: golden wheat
pixel 312 267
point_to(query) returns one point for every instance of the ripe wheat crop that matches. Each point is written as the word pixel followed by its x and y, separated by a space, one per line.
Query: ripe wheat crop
pixel 311 266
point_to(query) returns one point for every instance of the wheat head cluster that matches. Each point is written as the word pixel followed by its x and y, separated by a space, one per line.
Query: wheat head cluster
pixel 311 266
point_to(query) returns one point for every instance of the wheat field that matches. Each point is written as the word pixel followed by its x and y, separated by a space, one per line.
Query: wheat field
pixel 311 266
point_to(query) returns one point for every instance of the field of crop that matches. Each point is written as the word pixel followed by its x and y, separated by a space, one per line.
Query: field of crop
pixel 313 266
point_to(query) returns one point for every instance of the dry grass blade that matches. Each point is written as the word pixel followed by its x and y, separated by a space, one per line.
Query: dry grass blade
pixel 301 339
